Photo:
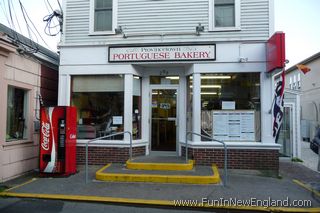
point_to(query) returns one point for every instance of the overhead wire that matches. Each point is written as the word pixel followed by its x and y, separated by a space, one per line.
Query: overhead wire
pixel 33 44
pixel 55 15
pixel 3 6
pixel 15 14
pixel 11 21
pixel 35 28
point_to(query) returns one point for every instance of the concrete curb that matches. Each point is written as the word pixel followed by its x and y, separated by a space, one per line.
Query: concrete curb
pixel 160 166
pixel 306 187
pixel 155 203
pixel 119 177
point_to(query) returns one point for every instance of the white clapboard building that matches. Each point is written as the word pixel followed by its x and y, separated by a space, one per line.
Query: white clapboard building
pixel 162 68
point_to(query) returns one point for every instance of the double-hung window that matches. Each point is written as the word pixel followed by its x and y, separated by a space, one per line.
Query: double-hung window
pixel 103 16
pixel 224 14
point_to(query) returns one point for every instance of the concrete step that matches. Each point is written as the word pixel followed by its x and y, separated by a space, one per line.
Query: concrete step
pixel 198 175
pixel 168 163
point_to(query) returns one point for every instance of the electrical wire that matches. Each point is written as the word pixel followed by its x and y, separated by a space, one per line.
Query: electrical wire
pixel 3 6
pixel 11 22
pixel 15 14
pixel 36 29
pixel 50 24
pixel 31 45
pixel 50 5
pixel 34 46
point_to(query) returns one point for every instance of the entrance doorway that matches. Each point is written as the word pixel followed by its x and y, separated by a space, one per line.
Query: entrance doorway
pixel 163 119
pixel 286 131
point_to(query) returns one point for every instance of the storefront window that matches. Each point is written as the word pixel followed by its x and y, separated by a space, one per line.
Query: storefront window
pixel 164 79
pixel 136 110
pixel 230 106
pixel 99 101
pixel 16 114
pixel 189 105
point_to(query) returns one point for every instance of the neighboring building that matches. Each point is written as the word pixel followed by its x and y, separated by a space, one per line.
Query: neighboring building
pixel 161 68
pixel 308 85
pixel 26 70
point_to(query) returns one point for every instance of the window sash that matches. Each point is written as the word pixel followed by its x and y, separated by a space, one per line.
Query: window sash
pixel 224 14
pixel 103 15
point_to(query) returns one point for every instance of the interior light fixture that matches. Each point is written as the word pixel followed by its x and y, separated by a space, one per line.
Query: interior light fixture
pixel 214 77
pixel 173 77
pixel 156 93
pixel 208 93
pixel 208 86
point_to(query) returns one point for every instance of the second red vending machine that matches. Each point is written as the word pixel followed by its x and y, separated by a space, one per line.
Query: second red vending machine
pixel 58 129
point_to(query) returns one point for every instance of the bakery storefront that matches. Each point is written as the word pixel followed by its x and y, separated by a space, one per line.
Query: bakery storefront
pixel 161 92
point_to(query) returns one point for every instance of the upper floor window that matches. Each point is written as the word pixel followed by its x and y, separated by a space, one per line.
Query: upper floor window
pixel 224 14
pixel 103 16
pixel 299 81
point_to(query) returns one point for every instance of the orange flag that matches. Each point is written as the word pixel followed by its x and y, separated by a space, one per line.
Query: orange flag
pixel 303 68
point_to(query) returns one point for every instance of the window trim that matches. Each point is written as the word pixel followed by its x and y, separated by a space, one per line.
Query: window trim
pixel 114 19
pixel 237 18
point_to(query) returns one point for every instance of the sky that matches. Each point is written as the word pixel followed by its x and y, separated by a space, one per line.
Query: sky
pixel 36 10
pixel 298 19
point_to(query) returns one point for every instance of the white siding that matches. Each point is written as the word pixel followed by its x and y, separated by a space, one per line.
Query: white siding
pixel 166 16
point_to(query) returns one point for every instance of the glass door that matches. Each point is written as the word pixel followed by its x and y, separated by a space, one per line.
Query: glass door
pixel 164 119
pixel 285 135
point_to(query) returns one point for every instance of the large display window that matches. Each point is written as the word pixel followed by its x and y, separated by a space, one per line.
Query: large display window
pixel 99 100
pixel 230 106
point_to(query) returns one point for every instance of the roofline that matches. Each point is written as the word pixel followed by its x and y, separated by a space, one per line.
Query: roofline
pixel 52 56
pixel 304 62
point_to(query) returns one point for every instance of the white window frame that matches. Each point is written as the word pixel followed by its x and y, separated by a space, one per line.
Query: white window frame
pixel 114 19
pixel 237 17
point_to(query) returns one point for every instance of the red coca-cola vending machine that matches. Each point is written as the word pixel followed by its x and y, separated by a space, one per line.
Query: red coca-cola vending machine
pixel 58 130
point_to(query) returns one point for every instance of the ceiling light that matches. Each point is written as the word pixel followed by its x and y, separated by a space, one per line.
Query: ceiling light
pixel 208 93
pixel 208 86
pixel 214 77
pixel 173 77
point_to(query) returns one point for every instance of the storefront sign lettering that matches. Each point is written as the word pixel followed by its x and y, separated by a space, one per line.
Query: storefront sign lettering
pixel 162 53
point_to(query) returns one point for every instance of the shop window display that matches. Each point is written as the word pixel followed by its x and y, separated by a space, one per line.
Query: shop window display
pixel 100 105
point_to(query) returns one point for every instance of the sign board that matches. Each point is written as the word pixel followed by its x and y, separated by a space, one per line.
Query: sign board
pixel 229 105
pixel 165 106
pixel 117 120
pixel 276 52
pixel 190 52
pixel 233 125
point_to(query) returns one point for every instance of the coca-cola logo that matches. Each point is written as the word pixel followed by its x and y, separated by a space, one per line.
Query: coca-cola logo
pixel 72 136
pixel 45 130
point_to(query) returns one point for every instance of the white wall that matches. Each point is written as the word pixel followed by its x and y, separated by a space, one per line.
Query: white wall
pixel 165 17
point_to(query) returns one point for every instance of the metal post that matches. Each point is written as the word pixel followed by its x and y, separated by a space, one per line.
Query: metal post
pixel 318 158
pixel 225 164
pixel 87 162
pixel 225 153
pixel 103 137
pixel 130 151
pixel 187 147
